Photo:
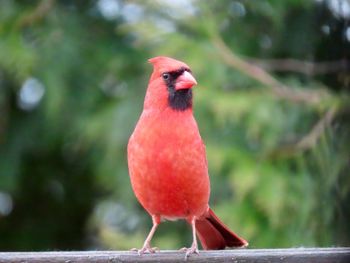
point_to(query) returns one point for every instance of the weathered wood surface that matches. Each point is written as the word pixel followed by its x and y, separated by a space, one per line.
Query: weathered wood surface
pixel 294 255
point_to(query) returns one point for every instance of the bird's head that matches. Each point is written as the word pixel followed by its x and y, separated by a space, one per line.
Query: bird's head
pixel 170 84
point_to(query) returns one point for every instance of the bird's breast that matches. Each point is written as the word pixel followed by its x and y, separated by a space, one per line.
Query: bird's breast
pixel 167 164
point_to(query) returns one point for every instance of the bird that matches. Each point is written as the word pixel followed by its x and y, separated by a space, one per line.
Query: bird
pixel 167 161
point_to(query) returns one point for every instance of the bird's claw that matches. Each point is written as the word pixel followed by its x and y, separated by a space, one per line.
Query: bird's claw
pixel 189 251
pixel 145 250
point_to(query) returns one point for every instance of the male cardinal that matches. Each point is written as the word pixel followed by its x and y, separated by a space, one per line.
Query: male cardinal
pixel 167 160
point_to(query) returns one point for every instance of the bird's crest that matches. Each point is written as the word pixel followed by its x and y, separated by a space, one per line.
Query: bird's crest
pixel 163 64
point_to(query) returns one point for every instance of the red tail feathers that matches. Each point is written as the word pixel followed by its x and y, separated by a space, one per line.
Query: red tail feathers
pixel 213 234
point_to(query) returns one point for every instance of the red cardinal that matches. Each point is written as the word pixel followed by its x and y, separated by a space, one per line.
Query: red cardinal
pixel 167 160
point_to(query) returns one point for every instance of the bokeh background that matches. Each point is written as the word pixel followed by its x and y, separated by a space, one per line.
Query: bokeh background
pixel 272 105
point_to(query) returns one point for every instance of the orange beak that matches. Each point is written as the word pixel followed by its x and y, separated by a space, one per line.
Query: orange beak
pixel 185 81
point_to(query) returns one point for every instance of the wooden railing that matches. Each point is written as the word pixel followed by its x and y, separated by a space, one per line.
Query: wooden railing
pixel 293 255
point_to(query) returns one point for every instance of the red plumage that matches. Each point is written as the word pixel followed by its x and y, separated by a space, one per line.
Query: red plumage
pixel 167 159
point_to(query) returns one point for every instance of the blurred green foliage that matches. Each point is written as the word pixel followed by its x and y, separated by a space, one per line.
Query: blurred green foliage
pixel 72 80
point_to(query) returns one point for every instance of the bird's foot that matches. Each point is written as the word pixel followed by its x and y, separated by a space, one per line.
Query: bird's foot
pixel 189 251
pixel 146 249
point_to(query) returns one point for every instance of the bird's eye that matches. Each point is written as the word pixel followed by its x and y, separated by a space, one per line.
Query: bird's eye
pixel 166 76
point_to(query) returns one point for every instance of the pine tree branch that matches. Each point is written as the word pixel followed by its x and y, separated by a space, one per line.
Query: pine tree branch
pixel 304 67
pixel 36 15
pixel 310 140
pixel 255 72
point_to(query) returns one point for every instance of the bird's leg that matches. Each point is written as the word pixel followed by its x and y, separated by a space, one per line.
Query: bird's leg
pixel 194 247
pixel 146 248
